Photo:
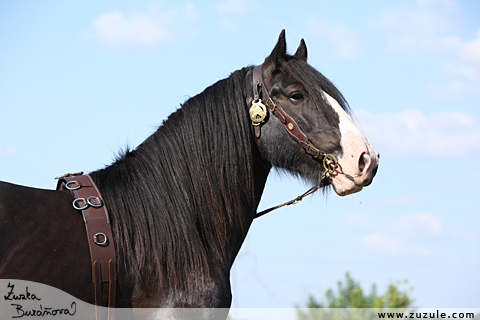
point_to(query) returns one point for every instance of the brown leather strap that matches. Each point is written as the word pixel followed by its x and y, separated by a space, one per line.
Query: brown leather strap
pixel 99 232
pixel 288 123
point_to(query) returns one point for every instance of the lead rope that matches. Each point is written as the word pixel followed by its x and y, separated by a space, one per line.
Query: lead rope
pixel 329 163
pixel 294 201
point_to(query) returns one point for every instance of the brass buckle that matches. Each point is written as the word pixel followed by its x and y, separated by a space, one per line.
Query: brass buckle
pixel 272 110
pixel 316 152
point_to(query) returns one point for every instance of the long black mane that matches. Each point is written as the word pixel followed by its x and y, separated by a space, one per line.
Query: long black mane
pixel 182 194
pixel 174 199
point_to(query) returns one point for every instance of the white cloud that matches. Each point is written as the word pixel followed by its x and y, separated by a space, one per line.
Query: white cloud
pixel 428 28
pixel 448 4
pixel 383 243
pixel 414 224
pixel 190 12
pixel 404 200
pixel 419 28
pixel 342 42
pixel 233 7
pixel 408 234
pixel 152 27
pixel 464 67
pixel 401 236
pixel 391 244
pixel 229 10
pixel 9 151
pixel 413 132
pixel 407 225
pixel 468 233
pixel 358 220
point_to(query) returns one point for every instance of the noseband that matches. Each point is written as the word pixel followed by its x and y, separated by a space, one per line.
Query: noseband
pixel 258 114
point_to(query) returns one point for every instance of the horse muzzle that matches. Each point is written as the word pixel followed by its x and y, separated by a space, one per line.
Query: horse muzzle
pixel 356 168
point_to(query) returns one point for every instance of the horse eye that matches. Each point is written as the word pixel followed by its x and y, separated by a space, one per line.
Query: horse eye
pixel 296 97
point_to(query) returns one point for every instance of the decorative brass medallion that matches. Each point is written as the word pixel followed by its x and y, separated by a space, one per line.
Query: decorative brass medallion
pixel 258 112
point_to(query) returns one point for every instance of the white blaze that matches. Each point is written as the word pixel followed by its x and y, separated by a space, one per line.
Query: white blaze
pixel 346 122
pixel 354 146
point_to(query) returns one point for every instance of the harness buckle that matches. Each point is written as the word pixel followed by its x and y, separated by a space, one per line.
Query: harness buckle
pixel 274 106
pixel 314 152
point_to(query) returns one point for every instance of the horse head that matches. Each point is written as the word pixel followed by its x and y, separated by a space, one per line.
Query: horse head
pixel 308 130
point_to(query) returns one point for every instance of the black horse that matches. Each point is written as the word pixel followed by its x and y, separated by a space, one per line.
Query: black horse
pixel 181 203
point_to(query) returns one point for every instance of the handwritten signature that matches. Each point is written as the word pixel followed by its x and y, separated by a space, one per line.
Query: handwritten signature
pixel 41 311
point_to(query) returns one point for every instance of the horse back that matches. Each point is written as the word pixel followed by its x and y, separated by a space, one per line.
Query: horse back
pixel 43 239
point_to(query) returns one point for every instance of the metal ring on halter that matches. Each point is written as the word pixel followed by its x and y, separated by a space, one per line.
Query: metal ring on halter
pixel 67 185
pixel 97 242
pixel 80 208
pixel 95 205
pixel 330 163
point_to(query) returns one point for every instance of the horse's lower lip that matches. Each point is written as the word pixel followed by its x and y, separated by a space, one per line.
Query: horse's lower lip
pixel 345 184
pixel 347 191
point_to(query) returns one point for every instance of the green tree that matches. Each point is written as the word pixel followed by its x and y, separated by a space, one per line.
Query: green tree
pixel 351 295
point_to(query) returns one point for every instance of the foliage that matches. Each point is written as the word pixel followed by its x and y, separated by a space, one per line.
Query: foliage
pixel 350 295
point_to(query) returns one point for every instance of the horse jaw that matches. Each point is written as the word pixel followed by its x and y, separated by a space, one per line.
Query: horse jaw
pixel 359 161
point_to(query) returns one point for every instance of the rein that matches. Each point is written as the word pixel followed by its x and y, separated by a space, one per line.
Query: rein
pixel 258 114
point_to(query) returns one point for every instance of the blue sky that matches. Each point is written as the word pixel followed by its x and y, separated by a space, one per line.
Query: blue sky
pixel 410 70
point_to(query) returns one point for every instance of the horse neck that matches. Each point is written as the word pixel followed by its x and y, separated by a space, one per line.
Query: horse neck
pixel 192 188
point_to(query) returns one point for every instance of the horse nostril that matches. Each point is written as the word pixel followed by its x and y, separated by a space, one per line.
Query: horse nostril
pixel 362 163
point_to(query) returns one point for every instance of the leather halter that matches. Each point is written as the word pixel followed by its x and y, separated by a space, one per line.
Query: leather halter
pixel 288 123
pixel 89 201
pixel 330 163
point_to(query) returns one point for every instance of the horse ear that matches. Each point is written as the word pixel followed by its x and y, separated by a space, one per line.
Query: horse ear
pixel 278 54
pixel 302 51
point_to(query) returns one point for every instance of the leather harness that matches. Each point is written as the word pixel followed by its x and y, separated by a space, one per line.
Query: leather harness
pixel 99 234
pixel 288 123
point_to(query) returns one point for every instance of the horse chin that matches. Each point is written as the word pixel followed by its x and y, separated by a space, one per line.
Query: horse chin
pixel 344 186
